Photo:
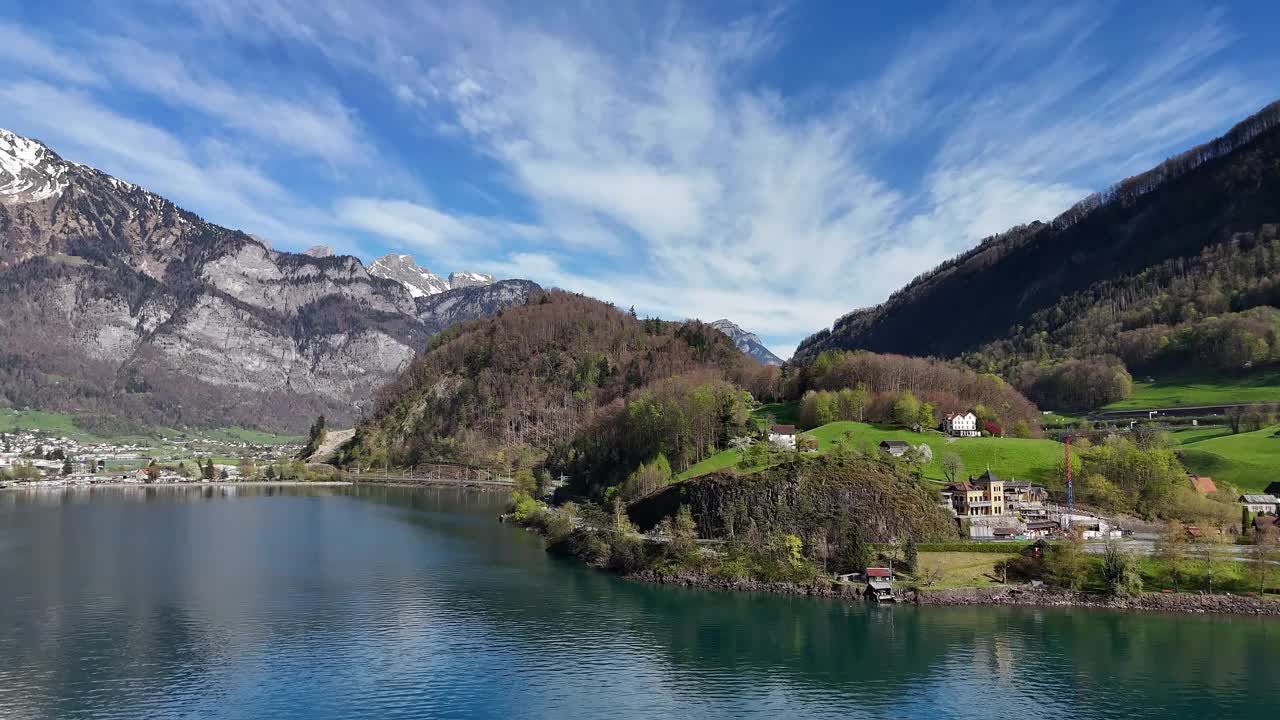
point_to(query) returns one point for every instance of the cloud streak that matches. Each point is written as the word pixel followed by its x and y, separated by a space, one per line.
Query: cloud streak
pixel 648 156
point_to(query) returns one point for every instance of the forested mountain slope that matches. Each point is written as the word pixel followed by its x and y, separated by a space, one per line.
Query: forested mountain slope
pixel 518 388
pixel 1193 237
pixel 115 303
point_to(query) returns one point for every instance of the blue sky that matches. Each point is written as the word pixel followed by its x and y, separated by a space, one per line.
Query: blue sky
pixel 776 164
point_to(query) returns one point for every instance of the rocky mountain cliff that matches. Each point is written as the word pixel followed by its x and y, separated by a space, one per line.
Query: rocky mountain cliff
pixel 748 343
pixel 421 282
pixel 116 303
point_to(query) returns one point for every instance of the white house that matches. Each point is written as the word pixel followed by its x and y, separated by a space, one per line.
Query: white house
pixel 961 424
pixel 784 436
pixel 1259 503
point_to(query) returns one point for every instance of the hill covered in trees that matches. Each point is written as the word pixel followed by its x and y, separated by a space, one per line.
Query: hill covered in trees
pixel 1168 269
pixel 518 390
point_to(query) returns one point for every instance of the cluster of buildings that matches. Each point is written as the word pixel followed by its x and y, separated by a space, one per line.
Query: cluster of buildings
pixel 51 453
pixel 998 509
pixel 61 461
pixel 987 495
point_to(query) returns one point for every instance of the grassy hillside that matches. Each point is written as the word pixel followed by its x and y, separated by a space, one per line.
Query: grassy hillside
pixel 783 413
pixel 53 423
pixel 64 425
pixel 1010 458
pixel 1261 385
pixel 1249 461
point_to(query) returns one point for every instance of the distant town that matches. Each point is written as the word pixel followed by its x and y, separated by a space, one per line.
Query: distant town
pixel 38 459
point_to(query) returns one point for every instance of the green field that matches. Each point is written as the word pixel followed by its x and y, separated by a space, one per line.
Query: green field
pixel 722 460
pixel 1250 461
pixel 960 569
pixel 783 413
pixel 247 435
pixel 1010 458
pixel 51 423
pixel 1191 436
pixel 1262 385
pixel 64 425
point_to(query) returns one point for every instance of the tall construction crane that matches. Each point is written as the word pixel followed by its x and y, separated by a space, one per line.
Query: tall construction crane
pixel 1070 499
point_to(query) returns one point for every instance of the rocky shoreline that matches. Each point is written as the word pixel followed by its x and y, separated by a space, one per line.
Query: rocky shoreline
pixel 1014 595
pixel 1148 602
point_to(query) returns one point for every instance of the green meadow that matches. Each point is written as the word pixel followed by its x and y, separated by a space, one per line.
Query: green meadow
pixel 1010 458
pixel 1250 461
pixel 1261 385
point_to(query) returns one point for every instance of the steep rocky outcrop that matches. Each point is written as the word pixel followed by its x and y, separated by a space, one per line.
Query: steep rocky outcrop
pixel 748 342
pixel 421 282
pixel 115 302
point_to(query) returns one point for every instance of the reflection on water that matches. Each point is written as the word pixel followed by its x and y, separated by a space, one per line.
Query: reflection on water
pixel 387 602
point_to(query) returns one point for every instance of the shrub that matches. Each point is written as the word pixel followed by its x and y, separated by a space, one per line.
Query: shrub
pixel 1066 565
pixel 1120 571
pixel 626 554
pixel 523 507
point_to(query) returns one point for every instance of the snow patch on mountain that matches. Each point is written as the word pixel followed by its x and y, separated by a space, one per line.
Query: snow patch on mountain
pixel 421 282
pixel 749 343
pixel 29 171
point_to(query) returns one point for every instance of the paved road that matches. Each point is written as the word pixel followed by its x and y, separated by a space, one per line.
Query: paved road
pixel 1147 546
pixel 1174 411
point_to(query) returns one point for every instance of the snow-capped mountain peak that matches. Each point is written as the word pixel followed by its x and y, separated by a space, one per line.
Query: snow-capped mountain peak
pixel 421 282
pixel 468 279
pixel 749 343
pixel 29 171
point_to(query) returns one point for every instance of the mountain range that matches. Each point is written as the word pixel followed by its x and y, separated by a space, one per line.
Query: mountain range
pixel 117 304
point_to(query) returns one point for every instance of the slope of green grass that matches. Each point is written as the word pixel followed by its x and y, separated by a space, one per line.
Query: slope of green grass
pixel 1191 436
pixel 722 460
pixel 1250 461
pixel 1010 458
pixel 64 425
pixel 49 422
pixel 783 413
pixel 1261 385
pixel 247 435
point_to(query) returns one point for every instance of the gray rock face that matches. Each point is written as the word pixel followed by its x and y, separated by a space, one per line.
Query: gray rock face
pixel 421 282
pixel 749 343
pixel 468 279
pixel 114 302
pixel 468 303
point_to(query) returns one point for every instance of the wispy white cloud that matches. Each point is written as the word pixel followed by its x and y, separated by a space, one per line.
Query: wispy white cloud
pixel 217 180
pixel 745 205
pixel 20 48
pixel 319 125
pixel 419 227
pixel 634 152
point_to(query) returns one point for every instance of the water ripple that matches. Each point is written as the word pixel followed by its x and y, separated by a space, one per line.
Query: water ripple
pixel 391 603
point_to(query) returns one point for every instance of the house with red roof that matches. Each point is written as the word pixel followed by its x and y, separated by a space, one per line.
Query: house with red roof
pixel 1203 485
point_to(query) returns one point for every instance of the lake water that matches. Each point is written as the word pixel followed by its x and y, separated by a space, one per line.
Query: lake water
pixel 390 603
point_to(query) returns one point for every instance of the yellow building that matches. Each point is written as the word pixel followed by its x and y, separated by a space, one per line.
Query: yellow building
pixel 981 496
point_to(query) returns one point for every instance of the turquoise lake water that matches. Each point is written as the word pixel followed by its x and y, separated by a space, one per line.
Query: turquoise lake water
pixel 404 603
